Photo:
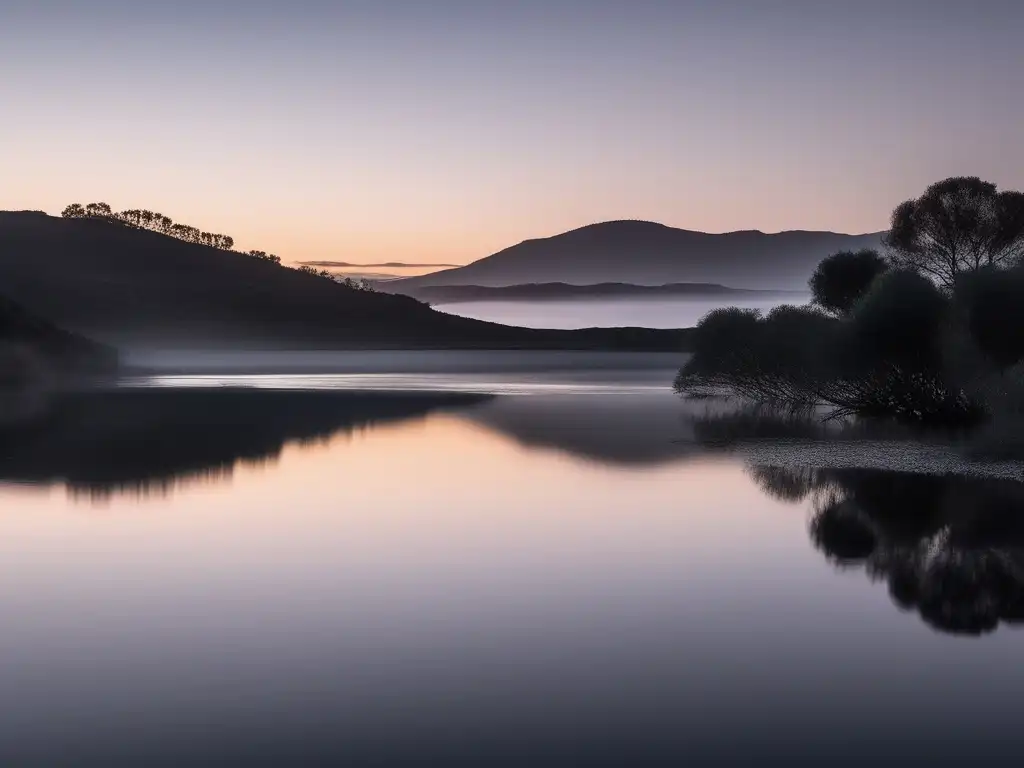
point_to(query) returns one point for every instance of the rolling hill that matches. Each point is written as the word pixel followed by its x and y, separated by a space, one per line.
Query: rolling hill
pixel 646 253
pixel 34 351
pixel 130 287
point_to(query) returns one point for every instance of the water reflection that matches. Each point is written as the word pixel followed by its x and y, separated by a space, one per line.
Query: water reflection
pixel 949 547
pixel 449 589
pixel 149 441
pixel 611 430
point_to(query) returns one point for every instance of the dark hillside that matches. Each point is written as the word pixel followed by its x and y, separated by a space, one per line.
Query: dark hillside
pixel 130 286
pixel 32 348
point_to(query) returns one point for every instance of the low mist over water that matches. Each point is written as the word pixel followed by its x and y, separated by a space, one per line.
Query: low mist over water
pixel 673 313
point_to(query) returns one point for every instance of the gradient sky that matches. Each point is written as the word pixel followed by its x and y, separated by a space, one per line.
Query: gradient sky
pixel 448 129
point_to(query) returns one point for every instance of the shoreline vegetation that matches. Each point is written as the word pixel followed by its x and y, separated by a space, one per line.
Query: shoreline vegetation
pixel 929 333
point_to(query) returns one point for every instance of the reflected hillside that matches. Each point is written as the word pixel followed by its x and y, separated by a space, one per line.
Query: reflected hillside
pixel 606 429
pixel 149 440
pixel 948 547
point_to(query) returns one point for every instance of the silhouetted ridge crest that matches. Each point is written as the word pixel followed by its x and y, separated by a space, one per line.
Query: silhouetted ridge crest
pixel 649 253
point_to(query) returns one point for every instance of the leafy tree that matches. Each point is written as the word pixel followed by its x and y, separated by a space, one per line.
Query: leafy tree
pixel 157 222
pixel 358 284
pixel 307 270
pixel 264 256
pixel 958 225
pixel 842 278
pixel 884 360
pixel 99 210
pixel 899 321
pixel 720 330
pixel 993 302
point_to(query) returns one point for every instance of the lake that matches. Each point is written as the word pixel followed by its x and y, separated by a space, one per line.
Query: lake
pixel 490 570
pixel 600 313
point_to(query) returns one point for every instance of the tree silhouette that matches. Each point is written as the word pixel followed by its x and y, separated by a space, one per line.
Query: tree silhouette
pixel 264 256
pixel 307 270
pixel 842 278
pixel 355 284
pixel 958 225
pixel 993 302
pixel 98 210
pixel 157 222
pixel 899 321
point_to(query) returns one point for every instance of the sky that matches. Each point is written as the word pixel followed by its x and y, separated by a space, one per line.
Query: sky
pixel 445 130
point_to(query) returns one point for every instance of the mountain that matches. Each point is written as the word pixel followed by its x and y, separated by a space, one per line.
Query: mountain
pixel 454 294
pixel 33 350
pixel 132 287
pixel 646 253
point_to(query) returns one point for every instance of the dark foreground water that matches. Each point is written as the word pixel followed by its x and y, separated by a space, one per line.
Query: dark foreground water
pixel 567 576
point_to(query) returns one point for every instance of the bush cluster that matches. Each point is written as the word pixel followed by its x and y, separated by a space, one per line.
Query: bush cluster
pixel 923 334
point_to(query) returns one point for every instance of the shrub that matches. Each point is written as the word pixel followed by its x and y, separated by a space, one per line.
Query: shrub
pixel 883 362
pixel 899 322
pixel 993 304
pixel 842 278
pixel 779 360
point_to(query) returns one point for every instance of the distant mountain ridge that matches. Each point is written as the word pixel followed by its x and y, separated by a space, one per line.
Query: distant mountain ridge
pixel 648 253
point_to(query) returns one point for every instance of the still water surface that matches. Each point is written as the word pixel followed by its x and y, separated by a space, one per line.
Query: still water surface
pixel 195 575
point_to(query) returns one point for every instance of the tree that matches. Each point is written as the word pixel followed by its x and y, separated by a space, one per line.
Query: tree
pixel 307 270
pixel 842 278
pixel 264 256
pixel 899 322
pixel 356 284
pixel 144 219
pixel 993 301
pixel 958 225
pixel 99 210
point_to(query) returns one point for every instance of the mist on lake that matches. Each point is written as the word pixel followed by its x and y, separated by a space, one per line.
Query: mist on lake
pixel 647 313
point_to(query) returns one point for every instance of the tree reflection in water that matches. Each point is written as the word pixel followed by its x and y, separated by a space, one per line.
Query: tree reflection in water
pixel 949 547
